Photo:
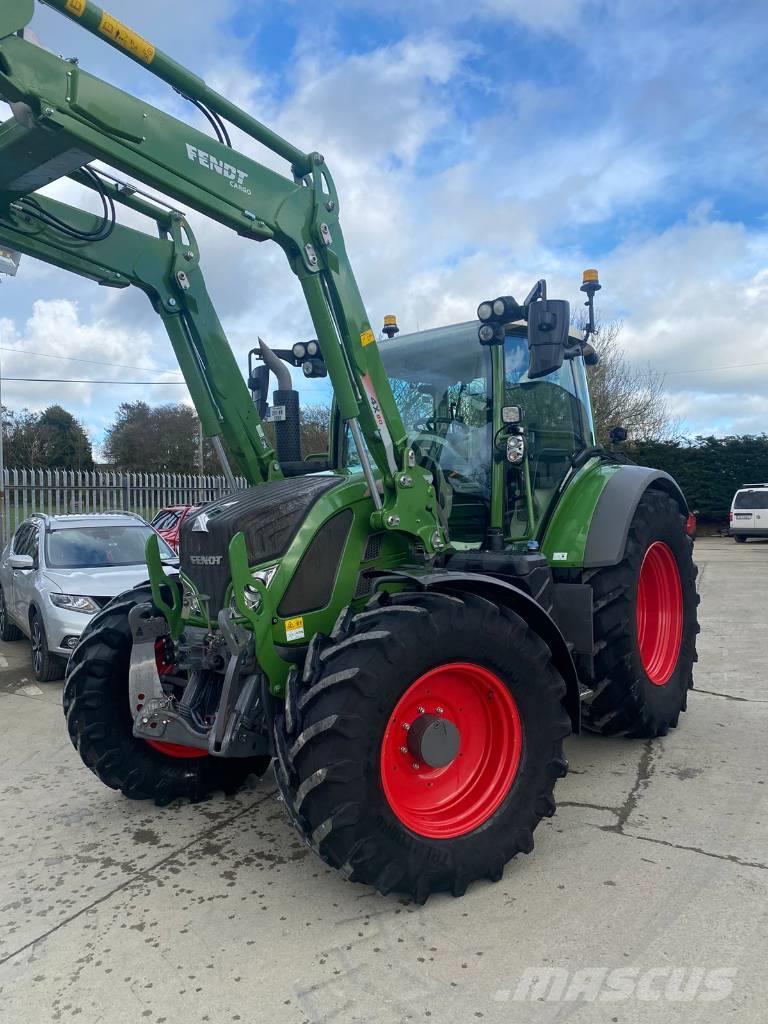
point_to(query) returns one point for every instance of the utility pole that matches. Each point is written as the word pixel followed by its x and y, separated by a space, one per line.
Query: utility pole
pixel 200 464
pixel 9 264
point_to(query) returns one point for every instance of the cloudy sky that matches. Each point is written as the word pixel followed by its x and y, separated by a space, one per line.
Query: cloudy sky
pixel 476 147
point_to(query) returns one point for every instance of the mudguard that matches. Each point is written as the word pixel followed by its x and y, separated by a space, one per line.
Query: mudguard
pixel 591 520
pixel 615 510
pixel 503 593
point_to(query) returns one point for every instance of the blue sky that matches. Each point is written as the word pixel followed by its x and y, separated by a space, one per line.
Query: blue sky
pixel 476 148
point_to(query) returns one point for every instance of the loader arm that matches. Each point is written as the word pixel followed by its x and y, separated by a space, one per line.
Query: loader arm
pixel 166 269
pixel 64 118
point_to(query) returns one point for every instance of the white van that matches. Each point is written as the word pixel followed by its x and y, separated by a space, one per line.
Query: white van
pixel 749 512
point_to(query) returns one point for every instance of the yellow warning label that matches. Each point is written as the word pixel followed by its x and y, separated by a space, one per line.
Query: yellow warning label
pixel 126 38
pixel 294 628
pixel 76 7
pixel 367 338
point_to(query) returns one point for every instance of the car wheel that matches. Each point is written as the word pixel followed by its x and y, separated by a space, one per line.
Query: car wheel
pixel 740 540
pixel 45 665
pixel 7 629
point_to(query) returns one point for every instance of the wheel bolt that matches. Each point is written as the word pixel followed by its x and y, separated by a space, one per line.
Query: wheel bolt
pixel 406 726
pixel 421 711
pixel 438 711
pixel 403 750
pixel 416 765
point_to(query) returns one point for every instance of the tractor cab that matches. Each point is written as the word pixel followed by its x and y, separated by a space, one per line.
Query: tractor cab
pixel 498 443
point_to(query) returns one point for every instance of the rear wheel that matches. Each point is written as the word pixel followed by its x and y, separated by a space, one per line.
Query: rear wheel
pixel 422 747
pixel 740 540
pixel 101 726
pixel 7 629
pixel 644 626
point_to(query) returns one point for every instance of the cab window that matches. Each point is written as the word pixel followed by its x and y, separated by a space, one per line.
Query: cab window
pixel 557 425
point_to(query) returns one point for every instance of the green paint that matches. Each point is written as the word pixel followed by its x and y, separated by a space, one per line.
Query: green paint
pixel 158 580
pixel 567 531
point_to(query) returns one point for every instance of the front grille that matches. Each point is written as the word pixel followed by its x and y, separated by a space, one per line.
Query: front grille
pixel 373 547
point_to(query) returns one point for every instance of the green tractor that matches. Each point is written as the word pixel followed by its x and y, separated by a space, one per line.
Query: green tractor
pixel 408 625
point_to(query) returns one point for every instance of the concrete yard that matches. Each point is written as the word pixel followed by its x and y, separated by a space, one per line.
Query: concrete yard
pixel 656 862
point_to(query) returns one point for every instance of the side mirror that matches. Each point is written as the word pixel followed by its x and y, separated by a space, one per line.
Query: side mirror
pixel 618 435
pixel 548 324
pixel 258 382
pixel 22 562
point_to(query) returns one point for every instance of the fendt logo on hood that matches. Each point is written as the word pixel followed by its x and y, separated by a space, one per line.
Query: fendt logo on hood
pixel 205 559
pixel 236 178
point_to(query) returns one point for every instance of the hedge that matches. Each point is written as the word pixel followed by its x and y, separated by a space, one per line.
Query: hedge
pixel 709 469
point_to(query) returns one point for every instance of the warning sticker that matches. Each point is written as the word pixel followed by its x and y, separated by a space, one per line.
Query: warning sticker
pixel 367 338
pixel 294 628
pixel 560 556
pixel 125 37
pixel 76 7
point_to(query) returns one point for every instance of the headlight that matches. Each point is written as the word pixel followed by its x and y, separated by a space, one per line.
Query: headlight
pixel 515 449
pixel 74 603
pixel 252 596
pixel 190 602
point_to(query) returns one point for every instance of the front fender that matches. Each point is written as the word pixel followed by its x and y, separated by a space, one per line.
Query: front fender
pixel 503 593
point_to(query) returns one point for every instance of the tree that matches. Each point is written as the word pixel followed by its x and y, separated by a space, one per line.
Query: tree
pixel 65 442
pixel 47 440
pixel 627 396
pixel 163 439
pixel 314 429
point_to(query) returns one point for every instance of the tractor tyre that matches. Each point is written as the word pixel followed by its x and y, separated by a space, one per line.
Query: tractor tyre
pixel 101 726
pixel 645 626
pixel 420 748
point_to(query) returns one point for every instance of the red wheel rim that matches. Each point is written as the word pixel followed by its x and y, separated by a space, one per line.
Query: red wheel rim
pixel 455 799
pixel 659 613
pixel 170 749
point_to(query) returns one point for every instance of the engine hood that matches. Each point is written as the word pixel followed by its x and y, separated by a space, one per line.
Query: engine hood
pixel 102 582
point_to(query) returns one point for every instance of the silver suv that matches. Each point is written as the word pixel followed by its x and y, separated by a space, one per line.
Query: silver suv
pixel 57 571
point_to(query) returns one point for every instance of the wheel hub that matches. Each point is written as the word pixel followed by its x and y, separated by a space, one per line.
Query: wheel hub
pixel 433 741
pixel 451 750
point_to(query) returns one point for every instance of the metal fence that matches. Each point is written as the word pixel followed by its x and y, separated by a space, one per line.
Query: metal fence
pixel 62 491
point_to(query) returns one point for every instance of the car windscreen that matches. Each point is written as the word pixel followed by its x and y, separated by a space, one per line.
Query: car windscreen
pixel 93 547
pixel 751 499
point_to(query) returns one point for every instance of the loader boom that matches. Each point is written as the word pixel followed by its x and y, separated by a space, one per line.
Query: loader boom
pixel 166 268
pixel 64 118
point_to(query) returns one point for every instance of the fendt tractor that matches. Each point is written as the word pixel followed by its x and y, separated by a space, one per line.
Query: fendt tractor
pixel 407 625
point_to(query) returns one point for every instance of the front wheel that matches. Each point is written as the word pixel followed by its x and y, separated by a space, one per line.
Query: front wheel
pixel 740 540
pixel 100 722
pixel 423 745
pixel 644 626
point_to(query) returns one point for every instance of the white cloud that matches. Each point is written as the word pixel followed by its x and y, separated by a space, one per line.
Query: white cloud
pixel 429 238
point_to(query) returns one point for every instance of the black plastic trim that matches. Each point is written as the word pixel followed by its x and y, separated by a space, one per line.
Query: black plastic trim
pixel 615 510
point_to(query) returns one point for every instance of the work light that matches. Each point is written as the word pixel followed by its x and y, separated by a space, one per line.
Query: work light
pixel 491 334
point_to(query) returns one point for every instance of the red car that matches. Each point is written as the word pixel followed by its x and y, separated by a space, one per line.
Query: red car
pixel 168 522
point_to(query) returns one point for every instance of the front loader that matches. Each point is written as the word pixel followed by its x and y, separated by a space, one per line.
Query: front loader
pixel 408 628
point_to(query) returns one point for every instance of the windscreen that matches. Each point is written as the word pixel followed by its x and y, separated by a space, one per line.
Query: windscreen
pixel 751 499
pixel 93 547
